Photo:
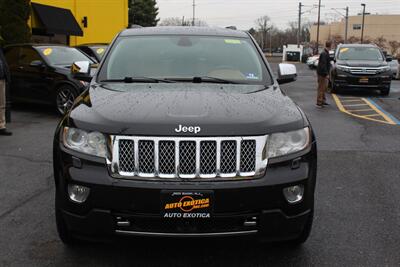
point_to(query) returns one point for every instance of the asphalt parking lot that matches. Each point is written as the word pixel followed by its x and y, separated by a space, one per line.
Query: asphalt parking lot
pixel 357 214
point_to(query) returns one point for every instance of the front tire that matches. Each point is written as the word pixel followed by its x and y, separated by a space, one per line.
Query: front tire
pixel 386 91
pixel 65 97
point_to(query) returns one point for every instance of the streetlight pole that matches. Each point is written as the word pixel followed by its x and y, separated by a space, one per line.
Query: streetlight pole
pixel 363 22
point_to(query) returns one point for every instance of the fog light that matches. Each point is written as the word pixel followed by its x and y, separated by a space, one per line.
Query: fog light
pixel 294 194
pixel 78 193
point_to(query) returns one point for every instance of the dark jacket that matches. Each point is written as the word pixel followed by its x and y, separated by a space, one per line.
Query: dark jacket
pixel 324 63
pixel 4 70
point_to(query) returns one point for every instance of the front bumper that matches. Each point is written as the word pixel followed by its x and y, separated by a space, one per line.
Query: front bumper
pixel 367 82
pixel 131 207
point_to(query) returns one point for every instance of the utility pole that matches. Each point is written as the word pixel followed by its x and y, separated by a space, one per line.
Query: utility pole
pixel 299 27
pixel 346 17
pixel 363 22
pixel 347 25
pixel 194 12
pixel 319 21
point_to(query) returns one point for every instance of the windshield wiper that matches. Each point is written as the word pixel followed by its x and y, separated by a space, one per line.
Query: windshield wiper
pixel 138 79
pixel 259 90
pixel 205 79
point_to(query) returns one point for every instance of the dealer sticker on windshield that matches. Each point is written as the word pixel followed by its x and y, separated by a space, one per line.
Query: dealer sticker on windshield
pixel 186 205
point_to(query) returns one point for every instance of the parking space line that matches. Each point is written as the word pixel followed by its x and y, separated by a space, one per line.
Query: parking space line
pixel 356 105
pixel 359 110
pixel 381 111
pixel 375 113
pixel 351 100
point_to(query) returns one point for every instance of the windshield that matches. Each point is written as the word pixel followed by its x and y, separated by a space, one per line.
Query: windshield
pixel 360 53
pixel 60 55
pixel 185 57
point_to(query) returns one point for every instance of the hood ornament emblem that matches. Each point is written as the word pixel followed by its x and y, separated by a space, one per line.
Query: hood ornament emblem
pixel 187 129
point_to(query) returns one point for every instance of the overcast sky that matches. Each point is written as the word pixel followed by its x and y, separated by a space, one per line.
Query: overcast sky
pixel 243 13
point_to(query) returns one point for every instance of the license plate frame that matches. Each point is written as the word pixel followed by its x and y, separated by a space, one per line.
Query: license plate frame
pixel 175 204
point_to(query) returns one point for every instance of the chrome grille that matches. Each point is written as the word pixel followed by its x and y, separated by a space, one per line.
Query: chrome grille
pixel 228 157
pixel 146 157
pixel 248 156
pixel 363 71
pixel 126 156
pixel 208 157
pixel 166 152
pixel 187 158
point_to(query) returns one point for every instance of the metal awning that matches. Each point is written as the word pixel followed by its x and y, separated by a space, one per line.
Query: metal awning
pixel 55 20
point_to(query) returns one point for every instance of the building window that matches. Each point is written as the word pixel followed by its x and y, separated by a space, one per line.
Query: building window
pixel 356 26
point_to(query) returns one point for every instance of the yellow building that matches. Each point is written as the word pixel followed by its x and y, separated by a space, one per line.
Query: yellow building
pixel 376 26
pixel 77 22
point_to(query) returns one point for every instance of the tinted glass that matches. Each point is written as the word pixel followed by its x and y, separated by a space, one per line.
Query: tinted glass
pixel 184 57
pixel 27 55
pixel 360 53
pixel 60 55
pixel 99 50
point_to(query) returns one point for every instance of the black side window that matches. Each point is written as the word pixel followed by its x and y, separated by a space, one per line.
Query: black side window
pixel 28 55
pixel 11 55
pixel 86 50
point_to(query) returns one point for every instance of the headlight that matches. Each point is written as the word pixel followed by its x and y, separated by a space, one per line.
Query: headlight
pixel 92 143
pixel 280 144
pixel 343 68
pixel 384 69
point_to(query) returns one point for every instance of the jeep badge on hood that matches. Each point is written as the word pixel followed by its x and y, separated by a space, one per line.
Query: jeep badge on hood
pixel 190 129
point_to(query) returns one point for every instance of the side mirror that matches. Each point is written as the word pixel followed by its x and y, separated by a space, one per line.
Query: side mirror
pixel 389 58
pixel 286 73
pixel 81 71
pixel 37 64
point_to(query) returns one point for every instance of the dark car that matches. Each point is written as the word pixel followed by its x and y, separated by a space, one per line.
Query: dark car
pixel 362 66
pixel 95 51
pixel 41 73
pixel 184 132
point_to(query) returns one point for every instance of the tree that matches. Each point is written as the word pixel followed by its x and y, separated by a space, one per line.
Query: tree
pixel 353 40
pixel 394 48
pixel 174 22
pixel 263 25
pixel 143 13
pixel 14 17
pixel 337 39
pixel 381 42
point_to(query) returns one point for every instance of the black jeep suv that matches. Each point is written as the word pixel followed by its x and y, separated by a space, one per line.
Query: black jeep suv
pixel 361 66
pixel 184 132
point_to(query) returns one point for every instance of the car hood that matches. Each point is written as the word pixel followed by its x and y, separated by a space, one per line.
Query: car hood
pixel 158 109
pixel 361 63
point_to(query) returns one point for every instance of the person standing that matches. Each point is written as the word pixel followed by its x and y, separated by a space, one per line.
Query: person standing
pixel 323 70
pixel 4 79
